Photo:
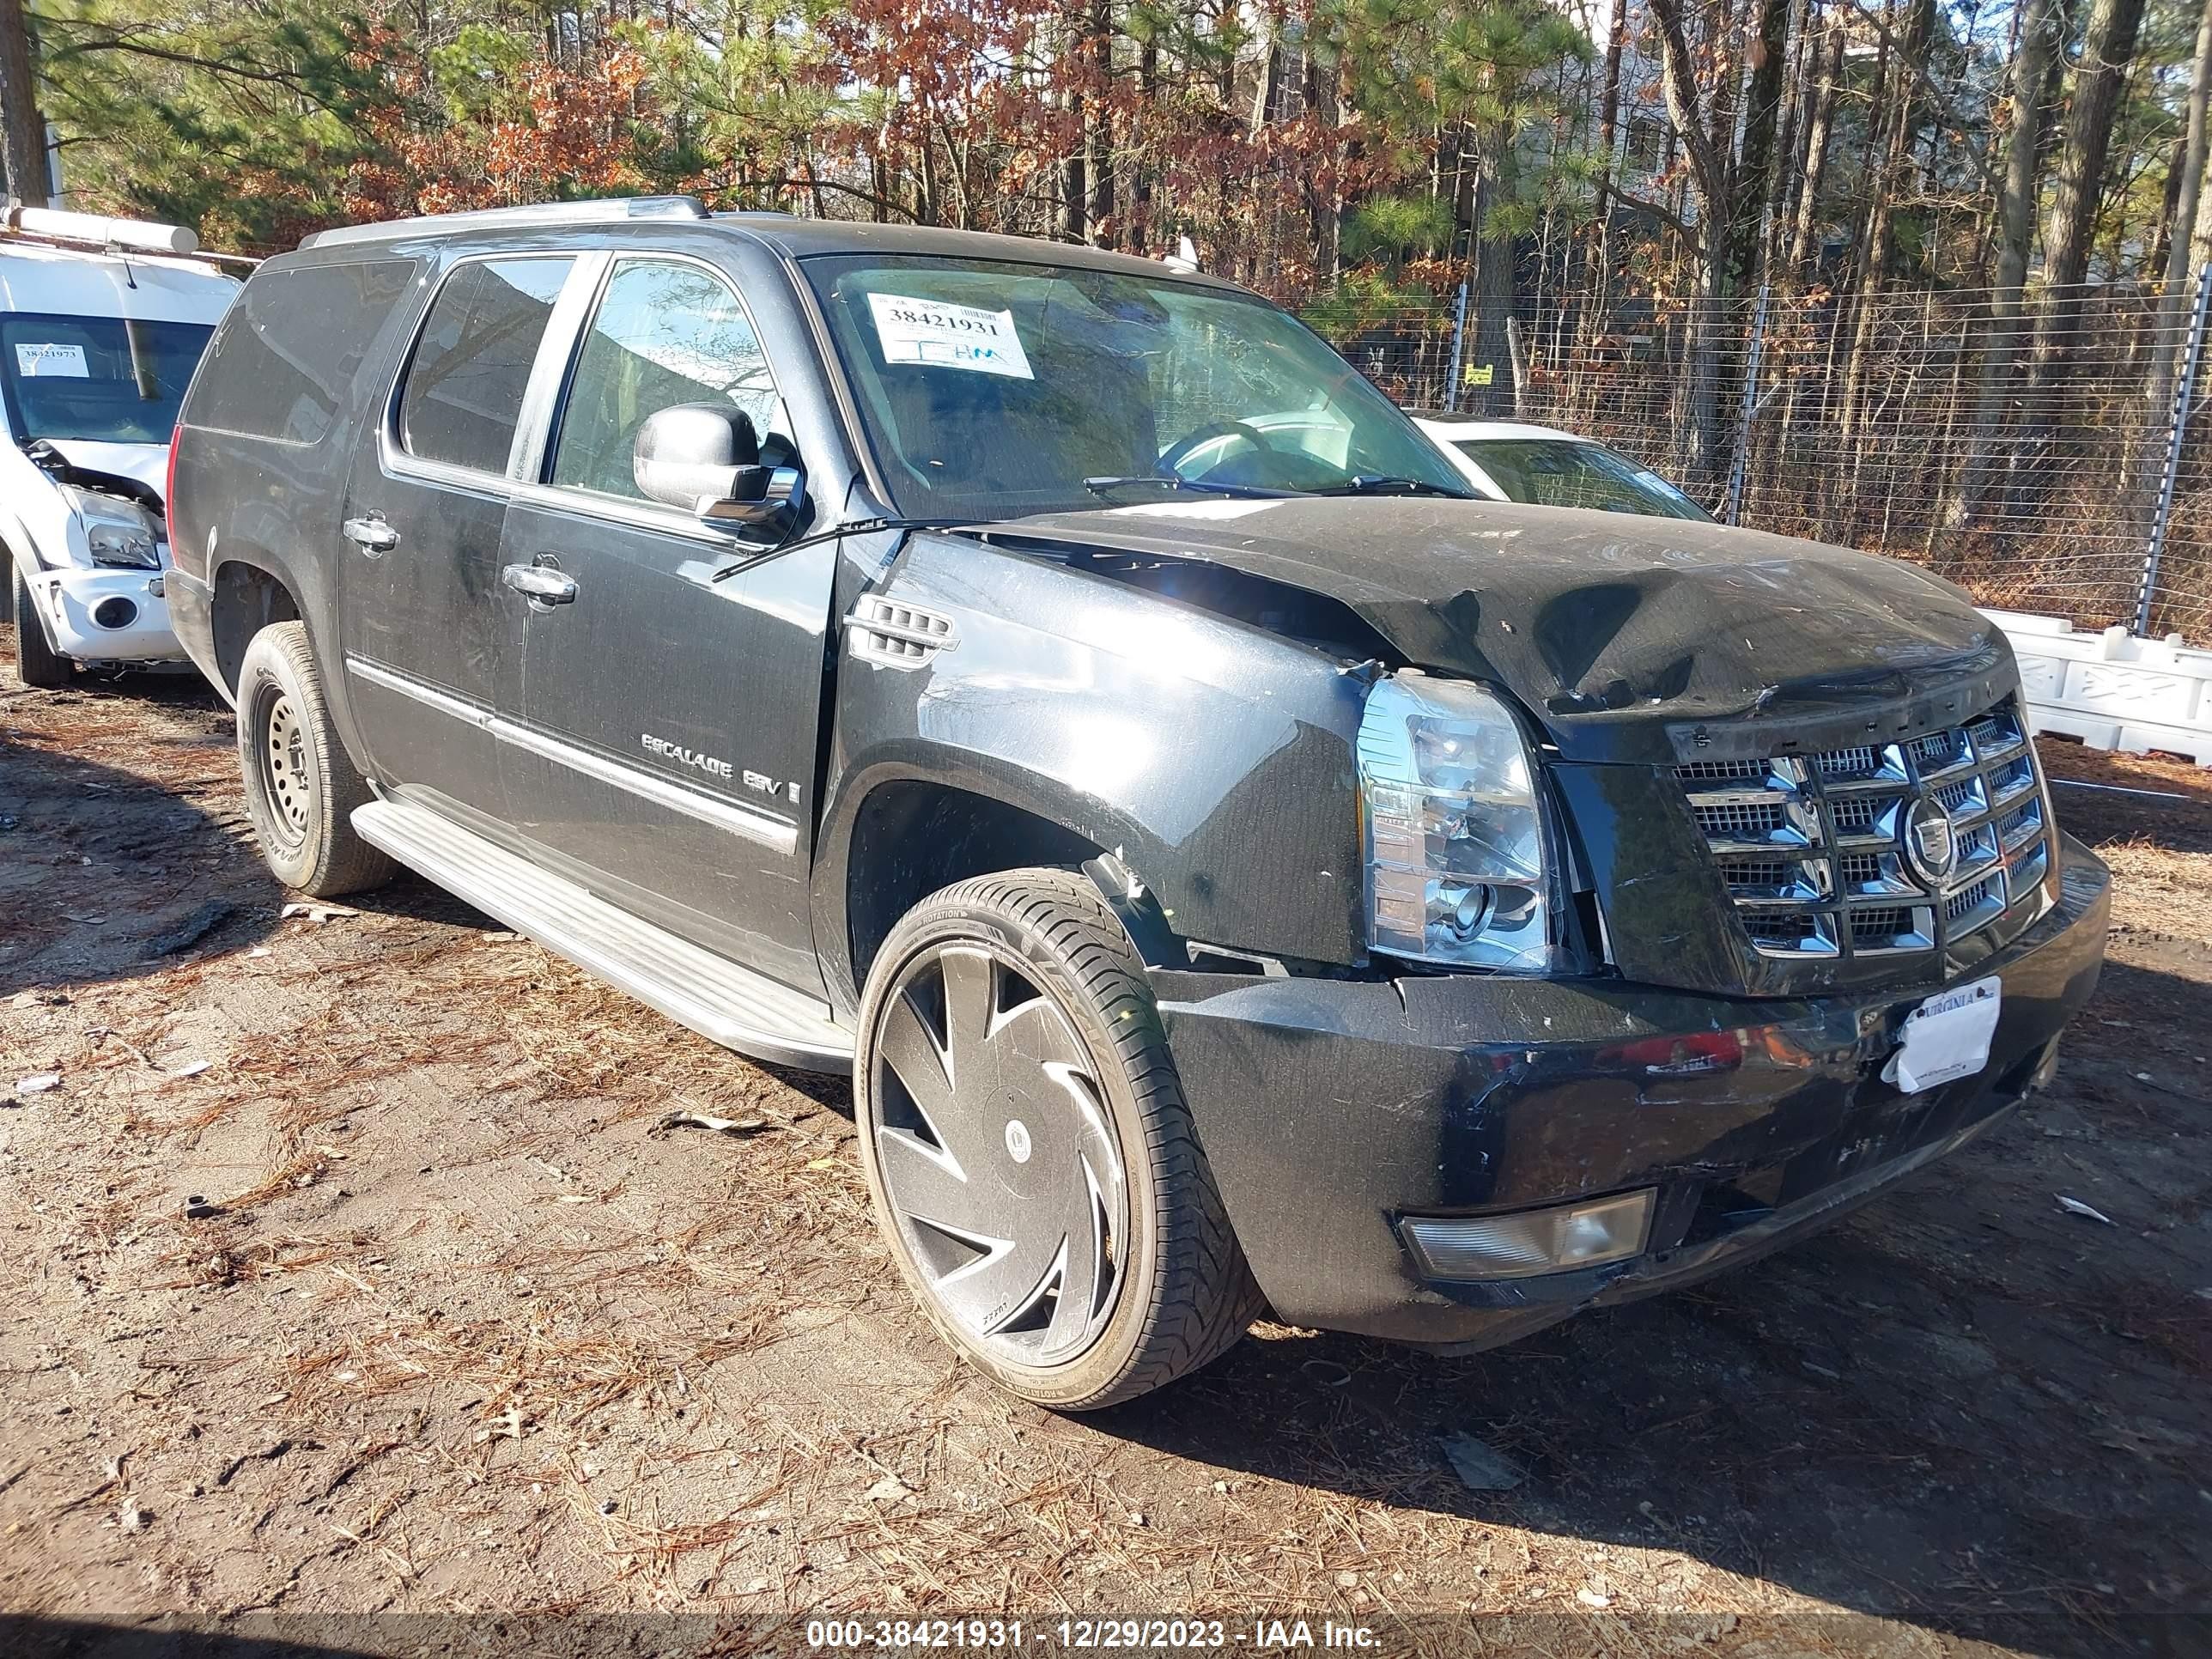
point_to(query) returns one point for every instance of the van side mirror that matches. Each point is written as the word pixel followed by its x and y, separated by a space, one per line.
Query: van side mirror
pixel 706 459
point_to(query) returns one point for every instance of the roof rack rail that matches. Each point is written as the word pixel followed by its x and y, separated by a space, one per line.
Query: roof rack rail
pixel 601 210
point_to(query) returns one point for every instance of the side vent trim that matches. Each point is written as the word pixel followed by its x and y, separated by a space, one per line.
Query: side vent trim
pixel 892 634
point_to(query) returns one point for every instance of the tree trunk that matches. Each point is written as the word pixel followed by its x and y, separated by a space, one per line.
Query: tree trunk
pixel 1490 297
pixel 1819 134
pixel 1788 171
pixel 1074 192
pixel 2174 303
pixel 1900 126
pixel 1347 102
pixel 1098 126
pixel 1609 109
pixel 1317 91
pixel 2032 64
pixel 2169 206
pixel 1707 458
pixel 1266 86
pixel 25 137
pixel 2107 49
pixel 1708 461
pixel 1600 245
pixel 2200 243
pixel 1770 57
pixel 1143 234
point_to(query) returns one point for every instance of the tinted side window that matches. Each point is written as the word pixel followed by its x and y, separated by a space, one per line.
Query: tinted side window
pixel 292 346
pixel 465 386
pixel 665 334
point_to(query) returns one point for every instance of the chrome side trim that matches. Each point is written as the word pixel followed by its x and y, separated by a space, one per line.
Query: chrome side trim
pixel 429 696
pixel 765 828
pixel 761 827
pixel 620 510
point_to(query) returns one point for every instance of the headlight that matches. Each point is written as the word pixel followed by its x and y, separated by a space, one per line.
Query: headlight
pixel 1455 858
pixel 118 533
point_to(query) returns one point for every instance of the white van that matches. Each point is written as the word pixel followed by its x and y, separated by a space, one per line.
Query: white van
pixel 101 323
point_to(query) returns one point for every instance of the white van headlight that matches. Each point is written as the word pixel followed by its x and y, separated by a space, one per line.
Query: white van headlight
pixel 1454 828
pixel 118 533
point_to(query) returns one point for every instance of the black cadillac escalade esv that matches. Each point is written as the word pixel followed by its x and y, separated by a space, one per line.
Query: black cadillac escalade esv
pixel 1237 868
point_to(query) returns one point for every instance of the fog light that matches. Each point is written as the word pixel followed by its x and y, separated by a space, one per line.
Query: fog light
pixel 115 611
pixel 1531 1242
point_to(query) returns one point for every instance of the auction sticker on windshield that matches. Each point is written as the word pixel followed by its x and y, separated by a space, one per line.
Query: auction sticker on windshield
pixel 940 336
pixel 51 361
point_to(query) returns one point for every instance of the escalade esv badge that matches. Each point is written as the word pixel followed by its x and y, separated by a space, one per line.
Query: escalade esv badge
pixel 682 756
pixel 1931 847
pixel 758 781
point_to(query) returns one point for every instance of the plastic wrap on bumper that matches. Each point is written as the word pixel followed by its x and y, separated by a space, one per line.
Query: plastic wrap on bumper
pixel 67 600
pixel 1329 1110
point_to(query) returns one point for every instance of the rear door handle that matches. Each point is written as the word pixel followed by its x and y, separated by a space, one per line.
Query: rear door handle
pixel 372 534
pixel 540 584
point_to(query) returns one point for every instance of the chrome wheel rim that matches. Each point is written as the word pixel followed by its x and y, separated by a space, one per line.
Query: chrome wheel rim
pixel 285 776
pixel 996 1155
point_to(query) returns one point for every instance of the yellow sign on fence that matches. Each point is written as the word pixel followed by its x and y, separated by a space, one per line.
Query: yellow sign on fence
pixel 1479 374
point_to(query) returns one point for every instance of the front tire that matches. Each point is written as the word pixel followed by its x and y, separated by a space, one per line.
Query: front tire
pixel 300 785
pixel 36 662
pixel 1032 1163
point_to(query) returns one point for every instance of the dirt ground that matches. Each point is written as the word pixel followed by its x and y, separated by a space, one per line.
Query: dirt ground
pixel 344 1272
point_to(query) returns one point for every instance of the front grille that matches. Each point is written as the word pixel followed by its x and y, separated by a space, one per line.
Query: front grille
pixel 1743 821
pixel 1718 771
pixel 1749 875
pixel 1812 847
pixel 1794 933
pixel 1889 928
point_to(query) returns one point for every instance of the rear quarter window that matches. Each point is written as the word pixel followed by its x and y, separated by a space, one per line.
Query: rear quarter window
pixel 463 398
pixel 292 347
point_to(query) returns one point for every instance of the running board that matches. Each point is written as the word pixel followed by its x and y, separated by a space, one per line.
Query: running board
pixel 725 1003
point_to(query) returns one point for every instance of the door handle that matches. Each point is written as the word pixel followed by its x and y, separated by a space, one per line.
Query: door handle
pixel 371 534
pixel 540 584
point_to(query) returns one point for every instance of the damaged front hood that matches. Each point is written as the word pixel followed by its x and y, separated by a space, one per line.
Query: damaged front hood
pixel 146 465
pixel 1625 635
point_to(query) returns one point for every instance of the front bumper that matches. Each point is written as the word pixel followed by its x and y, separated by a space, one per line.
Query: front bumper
pixel 1330 1109
pixel 69 601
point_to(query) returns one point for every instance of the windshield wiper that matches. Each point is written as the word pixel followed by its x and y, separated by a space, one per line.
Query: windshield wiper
pixel 852 528
pixel 1382 484
pixel 1168 481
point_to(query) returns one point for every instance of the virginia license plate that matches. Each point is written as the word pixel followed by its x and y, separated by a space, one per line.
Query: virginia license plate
pixel 1947 1036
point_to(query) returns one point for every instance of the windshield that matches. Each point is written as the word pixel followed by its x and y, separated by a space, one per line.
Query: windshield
pixel 102 380
pixel 993 390
pixel 1566 473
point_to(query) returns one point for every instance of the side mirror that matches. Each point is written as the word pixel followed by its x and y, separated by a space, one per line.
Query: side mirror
pixel 706 459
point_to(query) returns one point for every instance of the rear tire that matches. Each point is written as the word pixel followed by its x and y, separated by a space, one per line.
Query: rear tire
pixel 1033 1166
pixel 36 662
pixel 300 785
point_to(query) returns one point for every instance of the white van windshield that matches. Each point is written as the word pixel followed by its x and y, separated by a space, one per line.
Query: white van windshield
pixel 100 379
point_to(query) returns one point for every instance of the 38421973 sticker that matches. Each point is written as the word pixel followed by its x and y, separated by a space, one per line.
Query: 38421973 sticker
pixel 51 359
pixel 939 336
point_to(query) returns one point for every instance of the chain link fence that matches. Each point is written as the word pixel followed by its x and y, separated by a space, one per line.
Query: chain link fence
pixel 2060 461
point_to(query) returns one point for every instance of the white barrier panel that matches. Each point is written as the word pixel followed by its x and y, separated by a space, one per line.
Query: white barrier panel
pixel 2112 690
